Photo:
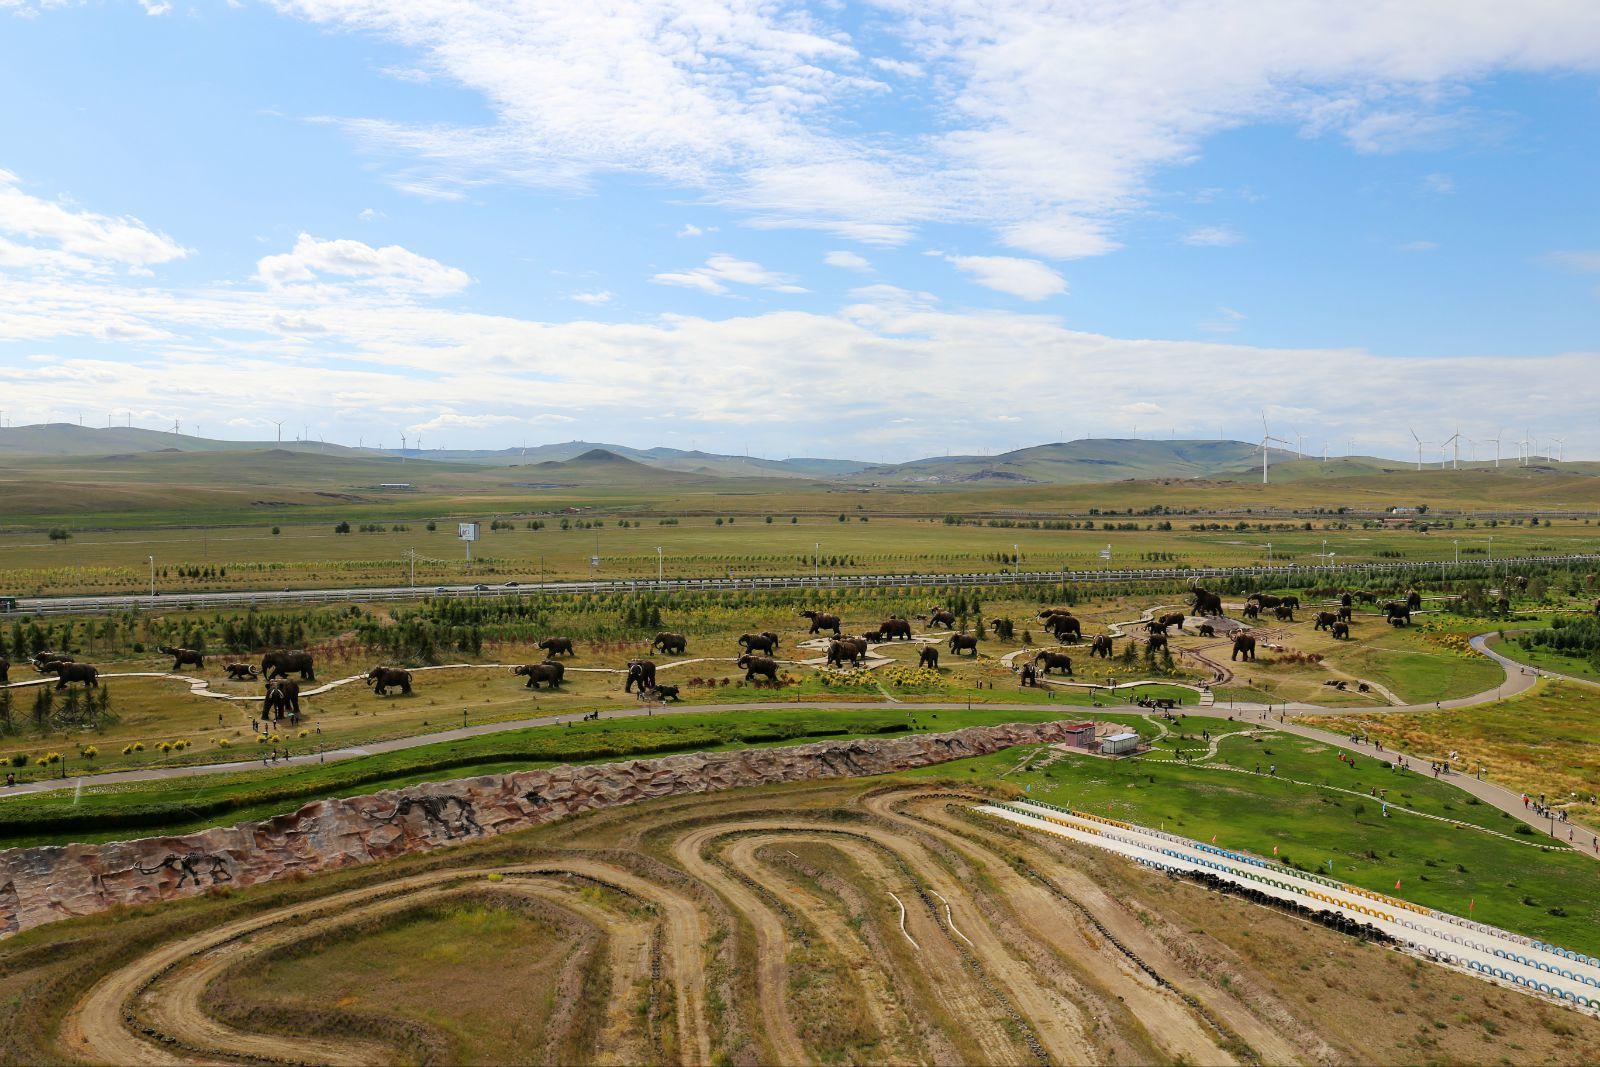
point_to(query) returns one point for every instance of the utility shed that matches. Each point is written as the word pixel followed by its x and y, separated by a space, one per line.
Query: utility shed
pixel 1119 744
pixel 1080 735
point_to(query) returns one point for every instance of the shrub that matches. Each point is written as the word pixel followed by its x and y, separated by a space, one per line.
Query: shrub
pixel 59 534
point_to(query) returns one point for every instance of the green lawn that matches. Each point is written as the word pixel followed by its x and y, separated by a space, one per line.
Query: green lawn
pixel 1576 666
pixel 1514 883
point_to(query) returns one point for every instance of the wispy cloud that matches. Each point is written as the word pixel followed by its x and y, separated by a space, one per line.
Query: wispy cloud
pixel 1052 118
pixel 847 261
pixel 1212 236
pixel 391 267
pixel 722 271
pixel 1025 278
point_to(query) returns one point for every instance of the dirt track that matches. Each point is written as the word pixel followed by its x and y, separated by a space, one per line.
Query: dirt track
pixel 767 927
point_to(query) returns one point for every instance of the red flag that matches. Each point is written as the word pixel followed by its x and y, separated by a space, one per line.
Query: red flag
pixel 1213 839
pixel 1471 904
pixel 1397 883
pixel 1274 850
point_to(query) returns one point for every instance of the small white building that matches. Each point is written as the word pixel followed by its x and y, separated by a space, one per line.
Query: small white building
pixel 1119 744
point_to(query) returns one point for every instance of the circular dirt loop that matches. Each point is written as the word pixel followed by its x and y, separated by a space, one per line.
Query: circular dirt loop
pixel 1002 949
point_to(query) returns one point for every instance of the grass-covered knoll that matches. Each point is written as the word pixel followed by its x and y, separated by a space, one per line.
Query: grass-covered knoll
pixel 1546 740
pixel 103 813
pixel 1502 877
pixel 470 980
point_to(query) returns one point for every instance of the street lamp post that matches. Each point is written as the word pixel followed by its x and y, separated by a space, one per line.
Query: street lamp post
pixel 816 560
pixel 660 564
pixel 152 577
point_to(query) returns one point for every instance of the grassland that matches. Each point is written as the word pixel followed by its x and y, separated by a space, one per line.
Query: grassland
pixel 1308 812
pixel 1542 742
pixel 303 555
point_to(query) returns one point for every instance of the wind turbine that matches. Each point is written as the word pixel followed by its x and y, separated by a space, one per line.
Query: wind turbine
pixel 1418 440
pixel 1454 440
pixel 1527 445
pixel 1266 446
pixel 279 425
pixel 1561 449
pixel 1496 439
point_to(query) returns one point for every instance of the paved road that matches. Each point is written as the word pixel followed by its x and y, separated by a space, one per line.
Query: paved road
pixel 84 605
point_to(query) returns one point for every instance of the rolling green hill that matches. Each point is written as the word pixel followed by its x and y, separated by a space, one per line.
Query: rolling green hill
pixel 1078 462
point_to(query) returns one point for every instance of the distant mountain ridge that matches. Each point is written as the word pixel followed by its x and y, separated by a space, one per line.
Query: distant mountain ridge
pixel 1087 460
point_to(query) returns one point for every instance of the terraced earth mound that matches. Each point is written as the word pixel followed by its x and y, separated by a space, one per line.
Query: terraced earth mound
pixel 875 921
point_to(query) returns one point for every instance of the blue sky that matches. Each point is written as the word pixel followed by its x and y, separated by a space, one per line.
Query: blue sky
pixel 875 230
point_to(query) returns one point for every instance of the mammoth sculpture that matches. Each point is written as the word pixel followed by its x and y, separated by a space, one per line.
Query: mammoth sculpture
pixel 1154 627
pixel 46 662
pixel 1030 677
pixel 281 697
pixel 550 672
pixel 1205 629
pixel 1265 600
pixel 383 679
pixel 762 642
pixel 941 617
pixel 1413 599
pixel 1004 629
pixel 964 643
pixel 181 656
pixel 1397 613
pixel 849 649
pixel 1324 620
pixel 1101 646
pixel 556 646
pixel 892 628
pixel 1053 661
pixel 68 671
pixel 1206 602
pixel 821 620
pixel 1059 626
pixel 1244 646
pixel 928 657
pixel 1176 618
pixel 1252 610
pixel 1346 612
pixel 641 673
pixel 1047 612
pixel 670 644
pixel 1156 641
pixel 1341 631
pixel 765 666
pixel 665 693
pixel 1290 601
pixel 1283 613
pixel 240 672
pixel 1346 600
pixel 281 663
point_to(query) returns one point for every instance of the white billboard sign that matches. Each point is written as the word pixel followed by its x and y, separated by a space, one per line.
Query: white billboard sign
pixel 467 531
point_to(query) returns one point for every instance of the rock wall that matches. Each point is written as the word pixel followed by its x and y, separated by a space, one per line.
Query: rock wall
pixel 43 884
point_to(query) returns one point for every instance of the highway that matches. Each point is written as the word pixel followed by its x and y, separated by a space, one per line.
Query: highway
pixel 1265 575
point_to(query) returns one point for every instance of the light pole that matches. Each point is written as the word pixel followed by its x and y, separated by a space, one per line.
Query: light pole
pixel 411 580
pixel 816 560
pixel 152 577
pixel 1457 543
pixel 660 564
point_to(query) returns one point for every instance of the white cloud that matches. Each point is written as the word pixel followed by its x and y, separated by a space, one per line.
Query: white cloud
pixel 1212 236
pixel 1442 184
pixel 690 230
pixel 1586 261
pixel 47 235
pixel 370 214
pixel 1025 278
pixel 390 267
pixel 1053 119
pixel 723 270
pixel 200 353
pixel 1227 320
pixel 847 261
pixel 603 296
